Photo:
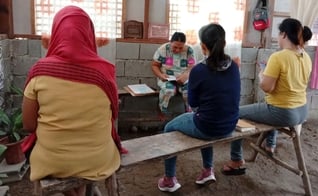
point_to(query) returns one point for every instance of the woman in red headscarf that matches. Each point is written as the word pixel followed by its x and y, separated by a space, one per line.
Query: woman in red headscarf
pixel 71 101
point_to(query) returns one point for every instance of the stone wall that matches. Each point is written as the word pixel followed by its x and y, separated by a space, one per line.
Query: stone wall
pixel 133 66
pixel 17 58
pixel 133 63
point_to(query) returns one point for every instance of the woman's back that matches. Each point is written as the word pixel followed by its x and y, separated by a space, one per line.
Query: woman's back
pixel 74 130
pixel 217 93
pixel 292 70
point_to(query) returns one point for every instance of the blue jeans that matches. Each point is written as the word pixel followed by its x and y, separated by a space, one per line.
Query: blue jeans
pixel 184 123
pixel 271 115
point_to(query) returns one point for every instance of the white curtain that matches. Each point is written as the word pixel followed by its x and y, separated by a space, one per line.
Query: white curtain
pixel 304 10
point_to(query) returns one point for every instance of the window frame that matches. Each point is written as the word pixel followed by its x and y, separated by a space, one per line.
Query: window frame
pixel 32 35
pixel 145 39
pixel 7 19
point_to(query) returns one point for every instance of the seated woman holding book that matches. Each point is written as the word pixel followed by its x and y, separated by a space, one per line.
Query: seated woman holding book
pixel 171 65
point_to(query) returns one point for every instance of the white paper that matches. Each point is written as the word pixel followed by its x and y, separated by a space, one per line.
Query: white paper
pixel 171 78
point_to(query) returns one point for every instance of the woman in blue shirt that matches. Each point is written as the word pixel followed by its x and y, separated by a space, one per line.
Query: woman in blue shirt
pixel 214 96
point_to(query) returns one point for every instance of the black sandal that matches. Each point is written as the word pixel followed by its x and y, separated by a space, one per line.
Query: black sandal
pixel 233 171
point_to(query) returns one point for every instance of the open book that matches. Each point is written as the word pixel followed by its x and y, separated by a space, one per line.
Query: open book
pixel 139 89
pixel 243 125
pixel 171 78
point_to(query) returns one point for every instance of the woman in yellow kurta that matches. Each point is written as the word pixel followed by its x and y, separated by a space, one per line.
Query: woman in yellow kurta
pixel 70 101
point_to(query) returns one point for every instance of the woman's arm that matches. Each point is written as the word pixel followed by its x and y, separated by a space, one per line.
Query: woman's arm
pixel 267 83
pixel 29 114
pixel 155 66
pixel 193 90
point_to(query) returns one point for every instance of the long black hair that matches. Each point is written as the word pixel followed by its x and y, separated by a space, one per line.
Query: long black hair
pixel 213 37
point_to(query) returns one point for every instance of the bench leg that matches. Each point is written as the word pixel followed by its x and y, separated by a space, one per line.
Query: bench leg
pixel 89 190
pixel 258 143
pixel 92 190
pixel 277 160
pixel 96 191
pixel 37 189
pixel 294 132
pixel 301 163
pixel 111 185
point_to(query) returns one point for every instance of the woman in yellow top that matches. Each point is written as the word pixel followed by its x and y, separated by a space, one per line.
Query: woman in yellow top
pixel 284 80
pixel 70 101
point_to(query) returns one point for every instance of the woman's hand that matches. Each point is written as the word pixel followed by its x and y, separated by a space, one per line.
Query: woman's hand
pixel 237 60
pixel 163 77
pixel 155 66
pixel 260 76
pixel 181 79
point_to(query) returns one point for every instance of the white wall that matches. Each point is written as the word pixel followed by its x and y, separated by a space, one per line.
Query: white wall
pixel 157 11
pixel 135 10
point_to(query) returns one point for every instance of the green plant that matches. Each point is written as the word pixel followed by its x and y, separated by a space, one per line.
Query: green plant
pixel 3 148
pixel 11 121
pixel 11 124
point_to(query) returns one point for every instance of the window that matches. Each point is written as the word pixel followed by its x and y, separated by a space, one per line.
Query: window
pixel 189 15
pixel 183 15
pixel 105 14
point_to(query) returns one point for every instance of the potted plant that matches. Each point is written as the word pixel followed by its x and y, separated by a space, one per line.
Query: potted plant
pixel 3 149
pixel 11 126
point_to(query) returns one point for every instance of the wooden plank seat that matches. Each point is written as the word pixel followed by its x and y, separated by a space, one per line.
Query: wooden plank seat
pixel 49 186
pixel 55 185
pixel 175 143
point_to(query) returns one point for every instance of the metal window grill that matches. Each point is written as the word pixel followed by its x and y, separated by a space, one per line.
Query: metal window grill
pixel 189 16
pixel 105 14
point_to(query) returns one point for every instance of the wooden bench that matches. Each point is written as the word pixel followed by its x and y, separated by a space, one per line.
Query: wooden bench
pixel 49 186
pixel 175 143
